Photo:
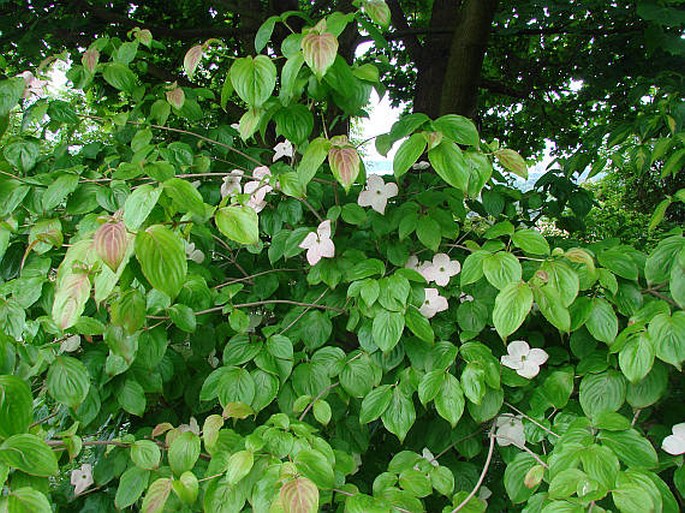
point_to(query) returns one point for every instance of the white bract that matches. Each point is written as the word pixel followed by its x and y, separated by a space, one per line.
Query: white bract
pixel 433 303
pixel 196 255
pixel 442 269
pixel 675 444
pixel 319 244
pixel 524 360
pixel 421 165
pixel 258 188
pixel 32 85
pixel 509 431
pixel 377 193
pixel 231 184
pixel 427 455
pixel 283 149
pixel 82 478
pixel 421 268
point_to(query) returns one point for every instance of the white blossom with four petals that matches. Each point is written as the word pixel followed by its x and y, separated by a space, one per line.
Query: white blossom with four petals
pixel 421 268
pixel 319 244
pixel 377 193
pixel 283 149
pixel 231 184
pixel 509 431
pixel 675 444
pixel 82 478
pixel 442 269
pixel 433 303
pixel 524 360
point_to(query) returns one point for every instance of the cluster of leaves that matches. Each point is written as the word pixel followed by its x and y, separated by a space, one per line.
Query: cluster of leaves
pixel 169 345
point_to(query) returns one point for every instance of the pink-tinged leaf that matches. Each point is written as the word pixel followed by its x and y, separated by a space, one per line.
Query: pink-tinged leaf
pixel 319 51
pixel 300 496
pixel 71 294
pixel 157 495
pixel 513 162
pixel 433 139
pixel 144 36
pixel 111 242
pixel 90 60
pixel 344 164
pixel 378 11
pixel 192 59
pixel 176 97
pixel 160 429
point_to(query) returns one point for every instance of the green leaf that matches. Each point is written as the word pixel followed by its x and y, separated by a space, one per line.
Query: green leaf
pixel 648 391
pixel 601 464
pixel 659 213
pixel 631 498
pixel 531 242
pixel 366 268
pixel 472 270
pixel 146 454
pixel 162 258
pixel 631 448
pixel 295 123
pixel 58 191
pixel 399 417
pixel 514 478
pixel 27 500
pixel 184 452
pixel 314 155
pixel 429 233
pixel 602 392
pixel 356 375
pixel 132 484
pixel 637 357
pixel 236 385
pixel 602 322
pixel 22 154
pixel 264 33
pixel 238 223
pixel 457 128
pixel 68 381
pixel 619 262
pixel 558 387
pixel 502 269
pixel 314 465
pixel 186 198
pixel 564 483
pixel 361 503
pixel 131 397
pixel 139 205
pixel 387 329
pixel 289 77
pixel 668 334
pixel 11 93
pixel 186 487
pixel 375 403
pixel 551 306
pixel 450 400
pixel 157 495
pixel 512 305
pixel 30 454
pixel 419 325
pixel 120 77
pixel 448 161
pixel 184 317
pixel 16 406
pixel 254 79
pixel 239 466
pixel 408 153
pixel 430 385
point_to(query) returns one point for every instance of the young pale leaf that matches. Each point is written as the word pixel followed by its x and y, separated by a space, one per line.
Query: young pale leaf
pixel 239 466
pixel 71 296
pixel 110 243
pixel 238 223
pixel 186 487
pixel 299 495
pixel 139 205
pixel 162 258
pixel 378 11
pixel 157 495
pixel 345 163
pixel 512 161
pixel 319 51
pixel 184 452
pixel 192 60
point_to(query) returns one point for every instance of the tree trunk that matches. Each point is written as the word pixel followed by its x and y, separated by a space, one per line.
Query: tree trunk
pixel 449 63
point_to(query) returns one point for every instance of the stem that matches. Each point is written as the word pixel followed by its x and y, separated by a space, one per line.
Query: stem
pixel 525 449
pixel 255 303
pixel 247 278
pixel 44 419
pixel 532 420
pixel 319 396
pixel 316 301
pixel 484 472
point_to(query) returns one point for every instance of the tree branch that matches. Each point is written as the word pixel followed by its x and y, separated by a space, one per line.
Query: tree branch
pixel 399 19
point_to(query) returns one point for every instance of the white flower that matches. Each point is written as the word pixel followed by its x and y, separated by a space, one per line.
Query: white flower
pixel 675 444
pixel 377 193
pixel 465 298
pixel 235 126
pixel 283 149
pixel 231 183
pixel 524 360
pixel 192 426
pixel 82 478
pixel 413 263
pixel 32 85
pixel 428 455
pixel 193 254
pixel 421 165
pixel 509 431
pixel 442 269
pixel 258 188
pixel 433 303
pixel 484 493
pixel 319 245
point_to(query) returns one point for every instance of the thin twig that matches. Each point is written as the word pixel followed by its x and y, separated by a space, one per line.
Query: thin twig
pixel 484 472
pixel 523 448
pixel 254 303
pixel 44 419
pixel 316 301
pixel 512 407
pixel 318 396
pixel 247 278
